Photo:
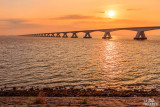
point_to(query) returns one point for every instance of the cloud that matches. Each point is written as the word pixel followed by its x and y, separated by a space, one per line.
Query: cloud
pixel 131 9
pixel 17 24
pixel 14 21
pixel 72 17
pixel 113 23
pixel 100 11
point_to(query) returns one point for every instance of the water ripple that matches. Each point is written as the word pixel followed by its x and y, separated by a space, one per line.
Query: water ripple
pixel 79 62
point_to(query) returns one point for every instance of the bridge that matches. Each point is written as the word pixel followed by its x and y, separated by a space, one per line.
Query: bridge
pixel 107 33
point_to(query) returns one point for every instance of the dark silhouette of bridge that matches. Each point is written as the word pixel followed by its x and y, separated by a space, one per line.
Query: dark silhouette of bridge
pixel 107 33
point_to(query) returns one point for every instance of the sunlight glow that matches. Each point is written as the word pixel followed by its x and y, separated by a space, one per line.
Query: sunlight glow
pixel 110 13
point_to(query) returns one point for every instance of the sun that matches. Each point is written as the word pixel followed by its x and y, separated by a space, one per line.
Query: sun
pixel 110 13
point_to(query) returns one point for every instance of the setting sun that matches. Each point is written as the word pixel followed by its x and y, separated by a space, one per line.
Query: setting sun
pixel 110 14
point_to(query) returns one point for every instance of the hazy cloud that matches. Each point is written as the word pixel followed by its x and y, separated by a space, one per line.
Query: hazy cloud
pixel 14 21
pixel 17 24
pixel 112 23
pixel 100 11
pixel 71 17
pixel 134 9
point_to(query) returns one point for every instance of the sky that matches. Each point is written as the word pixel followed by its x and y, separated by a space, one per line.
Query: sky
pixel 40 16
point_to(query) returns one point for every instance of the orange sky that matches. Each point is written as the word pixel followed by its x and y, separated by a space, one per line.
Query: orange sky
pixel 38 16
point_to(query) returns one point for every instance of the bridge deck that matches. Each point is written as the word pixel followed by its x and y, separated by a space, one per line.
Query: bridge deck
pixel 140 32
pixel 116 29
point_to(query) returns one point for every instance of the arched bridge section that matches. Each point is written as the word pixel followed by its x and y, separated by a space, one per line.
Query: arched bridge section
pixel 107 33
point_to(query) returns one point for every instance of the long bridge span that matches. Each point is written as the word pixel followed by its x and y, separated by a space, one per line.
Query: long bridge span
pixel 107 33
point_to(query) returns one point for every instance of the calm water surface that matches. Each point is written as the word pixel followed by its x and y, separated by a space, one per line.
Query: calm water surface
pixel 50 62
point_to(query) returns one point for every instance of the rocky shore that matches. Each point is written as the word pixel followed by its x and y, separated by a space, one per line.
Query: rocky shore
pixel 78 102
pixel 73 92
pixel 64 97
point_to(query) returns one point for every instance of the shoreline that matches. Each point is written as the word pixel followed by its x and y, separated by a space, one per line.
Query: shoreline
pixel 73 92
pixel 77 101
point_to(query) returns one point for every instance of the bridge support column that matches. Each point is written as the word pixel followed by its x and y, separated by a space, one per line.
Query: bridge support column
pixel 58 35
pixel 140 36
pixel 87 35
pixel 107 35
pixel 74 35
pixel 44 35
pixel 41 35
pixel 65 35
pixel 52 35
pixel 48 34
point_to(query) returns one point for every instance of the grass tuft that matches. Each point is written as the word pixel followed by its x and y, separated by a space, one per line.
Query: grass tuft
pixel 85 101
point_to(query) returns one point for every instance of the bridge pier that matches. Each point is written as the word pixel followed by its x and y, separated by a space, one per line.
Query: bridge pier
pixel 87 35
pixel 107 35
pixel 44 35
pixel 58 35
pixel 52 35
pixel 140 36
pixel 65 35
pixel 74 35
pixel 48 34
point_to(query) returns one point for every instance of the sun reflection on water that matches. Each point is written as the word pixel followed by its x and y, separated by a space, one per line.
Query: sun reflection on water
pixel 111 61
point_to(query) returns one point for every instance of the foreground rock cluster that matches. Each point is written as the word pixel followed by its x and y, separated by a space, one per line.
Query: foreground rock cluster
pixel 77 101
pixel 71 92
